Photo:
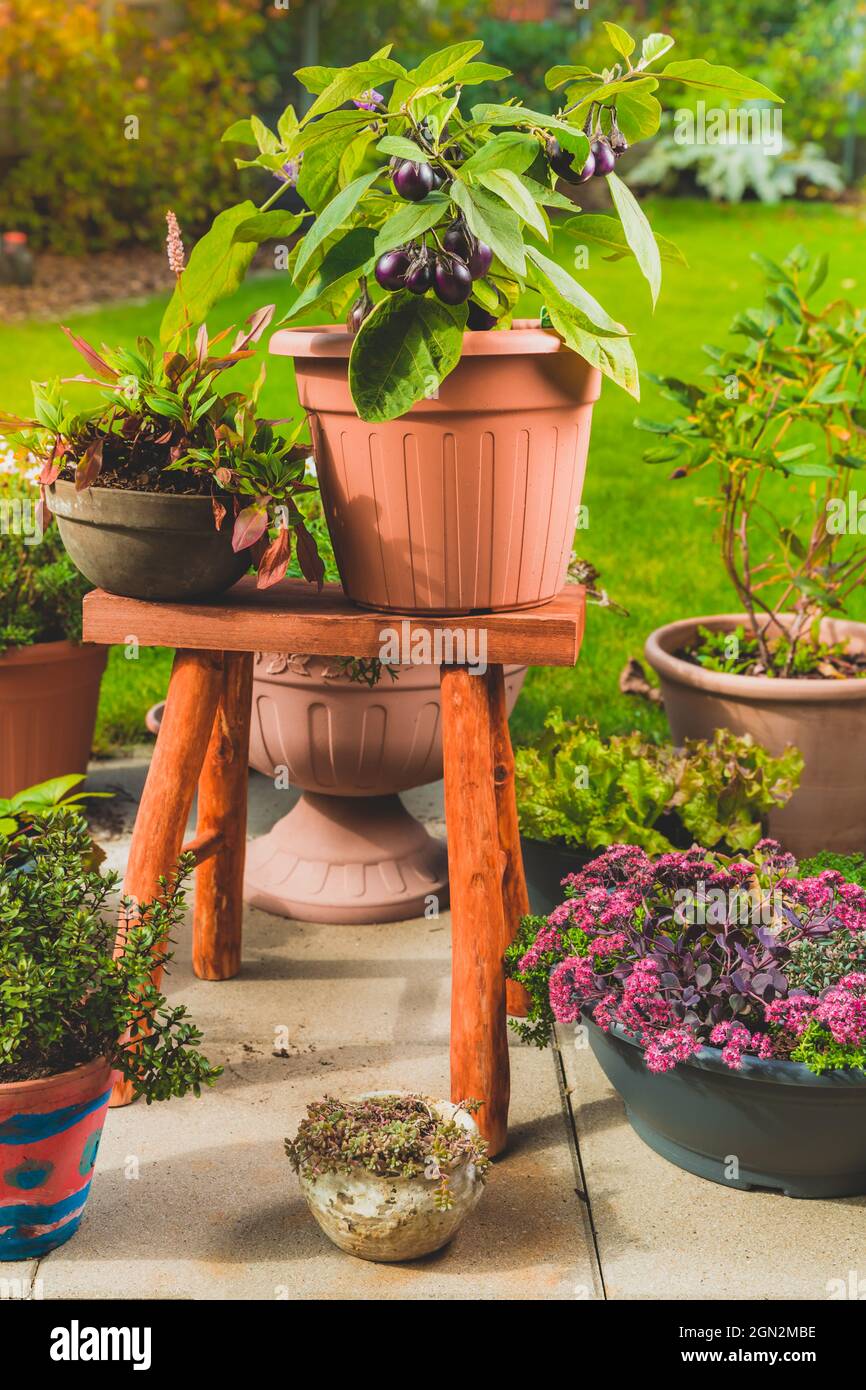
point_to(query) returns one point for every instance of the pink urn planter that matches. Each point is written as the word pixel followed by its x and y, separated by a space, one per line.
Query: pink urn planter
pixel 49 1135
pixel 348 851
pixel 468 502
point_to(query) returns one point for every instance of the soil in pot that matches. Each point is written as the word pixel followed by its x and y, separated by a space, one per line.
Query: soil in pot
pixel 49 695
pixel 825 719
pixel 467 503
pixel 147 545
pixel 49 1136
pixel 771 1124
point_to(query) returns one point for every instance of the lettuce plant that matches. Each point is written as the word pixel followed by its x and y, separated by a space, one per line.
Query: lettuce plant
pixel 425 217
pixel 577 787
pixel 786 404
pixel 695 950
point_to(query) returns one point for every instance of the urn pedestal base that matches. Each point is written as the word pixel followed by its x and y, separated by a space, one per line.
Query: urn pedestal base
pixel 347 859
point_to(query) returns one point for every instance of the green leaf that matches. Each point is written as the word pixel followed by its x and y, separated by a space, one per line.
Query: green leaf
pixel 638 113
pixel 545 195
pixel 411 220
pixel 216 268
pixel 607 91
pixel 510 150
pixel 491 221
pixel 445 63
pixel 474 73
pixel 275 223
pixel 240 133
pixel 818 274
pixel 322 170
pixel 324 131
pixel 507 185
pixel 569 72
pixel 613 356
pixel 341 267
pixel 334 216
pixel 570 136
pixel 622 41
pixel 711 77
pixel 653 46
pixel 287 124
pixel 402 352
pixel 352 82
pixel 601 230
pixel 557 283
pixel 316 79
pixel 401 147
pixel 638 233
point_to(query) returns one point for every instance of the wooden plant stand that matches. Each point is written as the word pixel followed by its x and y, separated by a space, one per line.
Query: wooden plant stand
pixel 204 741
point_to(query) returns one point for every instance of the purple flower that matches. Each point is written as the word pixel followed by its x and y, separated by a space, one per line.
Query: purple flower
pixel 290 171
pixel 369 100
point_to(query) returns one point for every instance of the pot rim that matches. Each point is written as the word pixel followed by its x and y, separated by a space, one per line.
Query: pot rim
pixel 110 506
pixel 44 1083
pixel 663 641
pixel 526 337
pixel 47 653
pixel 428 679
pixel 776 1070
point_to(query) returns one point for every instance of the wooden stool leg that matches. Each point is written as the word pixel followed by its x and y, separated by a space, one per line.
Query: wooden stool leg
pixel 479 1038
pixel 514 895
pixel 222 811
pixel 157 840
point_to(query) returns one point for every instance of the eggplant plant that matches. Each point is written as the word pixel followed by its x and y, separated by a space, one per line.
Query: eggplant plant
pixel 425 218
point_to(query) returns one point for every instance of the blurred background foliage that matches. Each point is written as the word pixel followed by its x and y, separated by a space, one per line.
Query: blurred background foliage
pixel 73 74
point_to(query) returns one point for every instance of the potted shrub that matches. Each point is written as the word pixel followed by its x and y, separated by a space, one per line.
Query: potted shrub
pixel 167 489
pixel 73 1015
pixel 389 1175
pixel 578 792
pixel 785 408
pixel 49 680
pixel 725 999
pixel 451 457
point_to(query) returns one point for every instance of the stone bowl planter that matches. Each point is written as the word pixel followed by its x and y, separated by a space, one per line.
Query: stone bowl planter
pixel 392 1219
pixel 349 851
pixel 825 719
pixel 147 545
pixel 467 503
pixel 49 695
pixel 49 1135
pixel 782 1126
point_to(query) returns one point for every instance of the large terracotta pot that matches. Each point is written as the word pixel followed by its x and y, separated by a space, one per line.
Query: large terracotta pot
pixel 349 851
pixel 48 699
pixel 825 719
pixel 468 502
pixel 49 1135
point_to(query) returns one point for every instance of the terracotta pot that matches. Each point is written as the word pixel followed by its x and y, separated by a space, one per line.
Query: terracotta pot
pixel 48 699
pixel 49 1136
pixel 392 1219
pixel 146 545
pixel 468 502
pixel 825 719
pixel 349 851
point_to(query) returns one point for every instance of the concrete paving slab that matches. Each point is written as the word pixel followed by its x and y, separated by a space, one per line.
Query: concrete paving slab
pixel 195 1198
pixel 665 1234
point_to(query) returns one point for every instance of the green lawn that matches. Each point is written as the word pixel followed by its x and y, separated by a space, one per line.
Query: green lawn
pixel 654 546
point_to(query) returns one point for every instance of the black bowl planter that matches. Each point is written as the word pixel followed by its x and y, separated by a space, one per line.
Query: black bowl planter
pixel 546 863
pixel 147 545
pixel 770 1124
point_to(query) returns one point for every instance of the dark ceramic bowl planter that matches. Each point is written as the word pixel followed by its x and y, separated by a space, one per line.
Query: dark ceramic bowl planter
pixel 787 1129
pixel 147 545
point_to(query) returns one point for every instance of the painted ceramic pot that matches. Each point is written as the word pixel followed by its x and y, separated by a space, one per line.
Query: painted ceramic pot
pixel 393 1219
pixel 49 1137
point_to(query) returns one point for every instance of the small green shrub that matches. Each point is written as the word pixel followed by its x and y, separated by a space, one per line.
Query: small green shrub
pixel 851 866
